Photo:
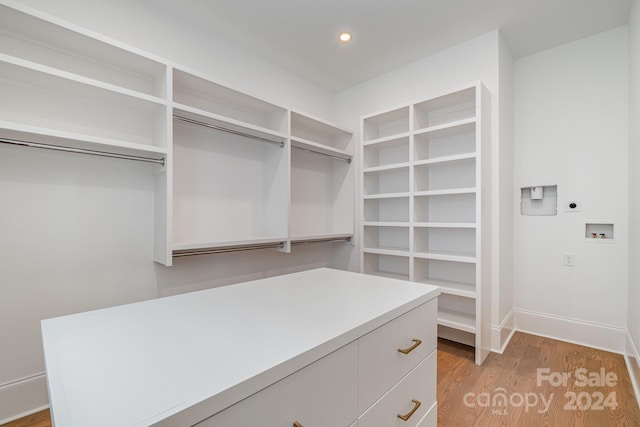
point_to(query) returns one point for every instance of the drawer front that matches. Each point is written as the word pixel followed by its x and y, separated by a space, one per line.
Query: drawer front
pixel 321 394
pixel 431 419
pixel 417 387
pixel 381 364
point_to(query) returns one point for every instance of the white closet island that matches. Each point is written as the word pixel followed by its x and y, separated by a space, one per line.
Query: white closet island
pixel 317 348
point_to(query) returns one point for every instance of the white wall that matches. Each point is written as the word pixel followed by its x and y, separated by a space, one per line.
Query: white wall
pixel 634 184
pixel 76 231
pixel 485 59
pixel 571 130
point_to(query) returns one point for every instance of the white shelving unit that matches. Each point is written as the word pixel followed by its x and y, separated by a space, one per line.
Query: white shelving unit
pixel 426 204
pixel 230 168
pixel 233 172
pixel 69 89
pixel 322 181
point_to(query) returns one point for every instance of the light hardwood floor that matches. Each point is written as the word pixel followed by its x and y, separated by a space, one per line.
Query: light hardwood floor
pixel 509 390
pixel 470 395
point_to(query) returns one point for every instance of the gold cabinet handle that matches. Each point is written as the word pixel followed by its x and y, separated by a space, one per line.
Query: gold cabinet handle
pixel 297 424
pixel 416 342
pixel 416 405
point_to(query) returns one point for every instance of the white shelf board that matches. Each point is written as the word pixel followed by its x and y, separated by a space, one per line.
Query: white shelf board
pixel 191 81
pixel 320 148
pixel 386 196
pixel 317 124
pixel 226 122
pixel 448 126
pixel 444 224
pixel 447 256
pixel 446 192
pixel 446 159
pixel 386 224
pixel 452 288
pixel 42 135
pixel 388 251
pixel 386 139
pixel 384 168
pixel 457 320
pixel 19 70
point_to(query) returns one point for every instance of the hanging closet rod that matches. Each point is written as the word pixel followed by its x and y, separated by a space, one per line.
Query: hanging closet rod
pixel 321 153
pixel 224 249
pixel 321 240
pixel 81 151
pixel 223 129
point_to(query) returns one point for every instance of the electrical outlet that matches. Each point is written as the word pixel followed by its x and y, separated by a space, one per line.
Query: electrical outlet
pixel 573 206
pixel 569 259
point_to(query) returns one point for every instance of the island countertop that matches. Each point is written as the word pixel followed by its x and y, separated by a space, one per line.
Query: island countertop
pixel 180 359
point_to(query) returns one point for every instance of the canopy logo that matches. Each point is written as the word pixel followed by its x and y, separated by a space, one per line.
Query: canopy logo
pixel 500 401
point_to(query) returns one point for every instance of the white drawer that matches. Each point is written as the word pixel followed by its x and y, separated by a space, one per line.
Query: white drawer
pixel 417 388
pixel 319 395
pixel 431 419
pixel 381 364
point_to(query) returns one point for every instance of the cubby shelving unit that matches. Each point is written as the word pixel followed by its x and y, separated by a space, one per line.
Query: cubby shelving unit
pixel 426 203
pixel 232 172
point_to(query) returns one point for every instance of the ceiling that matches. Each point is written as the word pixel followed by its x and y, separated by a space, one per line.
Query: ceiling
pixel 302 35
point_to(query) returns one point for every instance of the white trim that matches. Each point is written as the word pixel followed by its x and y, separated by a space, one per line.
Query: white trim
pixel 632 357
pixel 602 337
pixel 23 397
pixel 498 343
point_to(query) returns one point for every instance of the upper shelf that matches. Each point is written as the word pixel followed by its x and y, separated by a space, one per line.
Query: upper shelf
pixel 391 123
pixel 318 135
pixel 195 91
pixel 33 134
pixel 43 39
pixel 448 108
pixel 37 95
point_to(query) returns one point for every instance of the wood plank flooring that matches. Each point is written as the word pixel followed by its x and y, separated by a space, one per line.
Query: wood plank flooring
pixel 525 386
pixel 39 419
pixel 504 391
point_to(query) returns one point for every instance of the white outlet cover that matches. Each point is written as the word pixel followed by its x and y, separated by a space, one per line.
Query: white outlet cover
pixel 576 203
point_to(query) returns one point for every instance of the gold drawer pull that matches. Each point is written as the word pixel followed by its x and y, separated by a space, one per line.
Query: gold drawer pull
pixel 406 417
pixel 297 424
pixel 416 342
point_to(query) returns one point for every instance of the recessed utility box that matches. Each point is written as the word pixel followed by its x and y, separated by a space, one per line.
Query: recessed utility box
pixel 599 231
pixel 539 200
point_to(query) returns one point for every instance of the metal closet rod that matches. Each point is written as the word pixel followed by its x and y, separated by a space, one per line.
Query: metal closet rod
pixel 80 151
pixel 326 240
pixel 224 129
pixel 322 154
pixel 224 249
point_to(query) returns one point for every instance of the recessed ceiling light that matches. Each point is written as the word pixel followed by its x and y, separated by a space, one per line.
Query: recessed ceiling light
pixel 345 37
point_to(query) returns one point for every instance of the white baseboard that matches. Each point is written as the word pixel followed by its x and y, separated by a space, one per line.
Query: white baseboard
pixel 502 334
pixel 23 397
pixel 632 359
pixel 594 335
